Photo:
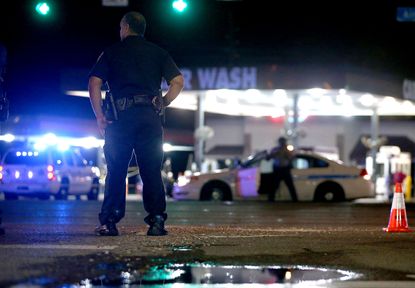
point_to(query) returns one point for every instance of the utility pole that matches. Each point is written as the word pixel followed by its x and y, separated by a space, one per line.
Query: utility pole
pixel 374 143
pixel 199 124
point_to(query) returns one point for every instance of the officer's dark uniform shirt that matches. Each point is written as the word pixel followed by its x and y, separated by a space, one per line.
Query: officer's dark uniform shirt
pixel 135 66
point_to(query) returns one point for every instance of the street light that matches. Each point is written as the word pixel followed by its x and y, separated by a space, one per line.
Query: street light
pixel 42 8
pixel 179 5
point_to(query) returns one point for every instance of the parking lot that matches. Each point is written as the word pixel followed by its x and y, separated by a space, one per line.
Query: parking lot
pixel 51 243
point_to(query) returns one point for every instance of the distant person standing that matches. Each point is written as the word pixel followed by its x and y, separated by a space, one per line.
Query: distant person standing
pixel 282 164
pixel 134 69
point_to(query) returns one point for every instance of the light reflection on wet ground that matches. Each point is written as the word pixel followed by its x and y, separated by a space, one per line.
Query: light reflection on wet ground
pixel 209 273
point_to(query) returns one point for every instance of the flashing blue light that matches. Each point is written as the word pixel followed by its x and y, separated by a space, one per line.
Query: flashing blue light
pixel 27 153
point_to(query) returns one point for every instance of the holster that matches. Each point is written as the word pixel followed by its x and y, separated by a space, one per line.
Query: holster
pixel 158 104
pixel 109 108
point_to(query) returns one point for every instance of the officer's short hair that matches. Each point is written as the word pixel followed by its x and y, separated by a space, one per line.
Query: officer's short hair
pixel 136 21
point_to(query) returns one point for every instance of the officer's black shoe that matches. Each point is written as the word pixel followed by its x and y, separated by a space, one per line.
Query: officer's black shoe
pixel 109 229
pixel 156 226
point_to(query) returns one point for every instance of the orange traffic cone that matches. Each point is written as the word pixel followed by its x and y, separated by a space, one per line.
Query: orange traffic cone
pixel 397 220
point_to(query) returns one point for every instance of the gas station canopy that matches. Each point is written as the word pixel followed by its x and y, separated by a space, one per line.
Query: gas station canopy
pixel 274 91
pixel 311 102
pixel 276 103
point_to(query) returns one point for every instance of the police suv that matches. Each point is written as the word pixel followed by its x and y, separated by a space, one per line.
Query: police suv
pixel 42 173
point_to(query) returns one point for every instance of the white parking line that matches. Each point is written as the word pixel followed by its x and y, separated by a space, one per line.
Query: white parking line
pixel 57 246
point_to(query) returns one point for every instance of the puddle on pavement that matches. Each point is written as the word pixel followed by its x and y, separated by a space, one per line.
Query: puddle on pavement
pixel 105 270
pixel 202 273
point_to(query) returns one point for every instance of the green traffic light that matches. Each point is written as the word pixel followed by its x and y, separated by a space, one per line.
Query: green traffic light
pixel 179 5
pixel 43 8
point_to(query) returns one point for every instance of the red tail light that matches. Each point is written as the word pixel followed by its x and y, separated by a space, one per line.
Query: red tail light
pixel 194 178
pixel 363 173
pixel 51 173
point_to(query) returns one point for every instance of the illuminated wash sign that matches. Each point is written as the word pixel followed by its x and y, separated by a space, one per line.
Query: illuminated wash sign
pixel 220 78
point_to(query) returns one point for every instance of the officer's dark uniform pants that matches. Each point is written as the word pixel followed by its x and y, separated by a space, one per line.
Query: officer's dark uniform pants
pixel 283 174
pixel 138 128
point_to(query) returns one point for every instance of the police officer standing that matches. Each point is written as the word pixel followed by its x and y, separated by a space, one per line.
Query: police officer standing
pixel 134 69
pixel 282 164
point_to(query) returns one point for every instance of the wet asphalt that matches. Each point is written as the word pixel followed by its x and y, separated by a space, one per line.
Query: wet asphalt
pixel 52 243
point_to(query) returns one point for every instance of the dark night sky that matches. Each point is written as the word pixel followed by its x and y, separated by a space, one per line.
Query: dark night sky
pixel 345 33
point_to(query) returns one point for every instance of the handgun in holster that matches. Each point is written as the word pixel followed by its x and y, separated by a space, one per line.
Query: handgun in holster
pixel 109 108
pixel 158 104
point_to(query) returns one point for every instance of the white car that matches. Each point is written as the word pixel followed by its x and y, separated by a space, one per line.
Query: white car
pixel 316 178
pixel 29 172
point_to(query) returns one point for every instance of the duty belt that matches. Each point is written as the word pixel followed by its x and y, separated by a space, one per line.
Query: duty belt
pixel 127 102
